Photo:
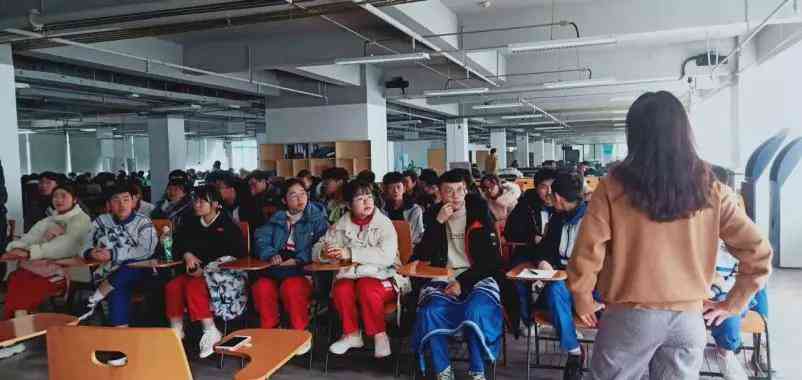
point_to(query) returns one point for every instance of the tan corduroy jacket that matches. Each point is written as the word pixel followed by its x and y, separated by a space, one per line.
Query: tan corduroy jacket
pixel 638 263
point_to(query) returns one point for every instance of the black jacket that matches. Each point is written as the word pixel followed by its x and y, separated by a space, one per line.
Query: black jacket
pixel 484 253
pixel 221 238
pixel 525 222
pixel 257 209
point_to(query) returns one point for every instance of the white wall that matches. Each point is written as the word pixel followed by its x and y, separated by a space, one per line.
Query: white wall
pixel 712 127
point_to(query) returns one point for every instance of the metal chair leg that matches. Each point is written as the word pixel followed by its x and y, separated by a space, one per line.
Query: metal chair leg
pixel 528 355
pixel 222 357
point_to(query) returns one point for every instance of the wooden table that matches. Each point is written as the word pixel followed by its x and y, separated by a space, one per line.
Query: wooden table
pixel 326 267
pixel 30 326
pixel 155 264
pixel 74 262
pixel 514 274
pixel 422 269
pixel 269 349
pixel 246 264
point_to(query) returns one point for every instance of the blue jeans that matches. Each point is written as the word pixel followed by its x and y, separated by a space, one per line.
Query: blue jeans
pixel 123 280
pixel 728 334
pixel 479 318
pixel 762 303
pixel 561 305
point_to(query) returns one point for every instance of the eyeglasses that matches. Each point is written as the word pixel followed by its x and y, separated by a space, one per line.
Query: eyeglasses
pixel 450 191
pixel 363 198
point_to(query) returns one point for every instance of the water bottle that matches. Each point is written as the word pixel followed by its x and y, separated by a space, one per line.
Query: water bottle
pixel 167 243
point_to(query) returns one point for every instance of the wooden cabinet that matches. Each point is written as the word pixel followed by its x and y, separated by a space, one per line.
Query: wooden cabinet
pixel 353 156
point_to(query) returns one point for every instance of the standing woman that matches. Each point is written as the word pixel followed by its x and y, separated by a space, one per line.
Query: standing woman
pixel 649 244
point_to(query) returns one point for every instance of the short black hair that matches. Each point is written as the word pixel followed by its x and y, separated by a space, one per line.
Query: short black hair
pixel 68 188
pixel 180 183
pixel 356 188
pixel 286 185
pixel 545 174
pixel 258 175
pixel 367 176
pixel 569 185
pixel 209 194
pixel 492 150
pixel 119 188
pixel 335 173
pixel 392 178
pixel 53 176
pixel 411 174
pixel 178 173
pixel 227 180
pixel 429 177
pixel 453 176
pixel 304 173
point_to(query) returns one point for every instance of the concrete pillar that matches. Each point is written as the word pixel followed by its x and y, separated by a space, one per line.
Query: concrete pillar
pixel 538 147
pixel 168 149
pixel 498 140
pixel 9 140
pixel 457 140
pixel 548 150
pixel 523 149
pixel 105 138
pixel 229 150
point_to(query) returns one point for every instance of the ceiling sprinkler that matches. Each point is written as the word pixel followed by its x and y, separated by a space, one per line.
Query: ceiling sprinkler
pixel 485 3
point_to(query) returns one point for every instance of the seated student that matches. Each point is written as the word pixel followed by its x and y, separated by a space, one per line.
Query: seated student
pixel 411 189
pixel 367 238
pixel 370 177
pixel 463 235
pixel 428 181
pixel 117 238
pixel 201 240
pixel 58 236
pixel 226 185
pixel 397 207
pixel 176 205
pixel 286 242
pixel 553 253
pixel 262 202
pixel 140 205
pixel 528 223
pixel 39 201
pixel 501 196
pixel 331 193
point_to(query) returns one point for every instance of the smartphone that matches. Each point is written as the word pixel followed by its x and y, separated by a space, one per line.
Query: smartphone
pixel 234 343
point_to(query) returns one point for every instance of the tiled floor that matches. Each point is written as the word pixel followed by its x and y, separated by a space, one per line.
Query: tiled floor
pixel 785 294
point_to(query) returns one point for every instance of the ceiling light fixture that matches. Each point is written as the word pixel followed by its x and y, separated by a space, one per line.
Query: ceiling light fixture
pixel 25 132
pixel 623 99
pixel 549 129
pixel 518 117
pixel 498 106
pixel 88 130
pixel 579 83
pixel 384 58
pixel 21 85
pixel 619 125
pixel 561 44
pixel 456 92
pixel 134 95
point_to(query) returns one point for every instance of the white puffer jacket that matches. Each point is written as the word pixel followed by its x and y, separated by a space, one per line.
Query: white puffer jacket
pixel 75 224
pixel 374 251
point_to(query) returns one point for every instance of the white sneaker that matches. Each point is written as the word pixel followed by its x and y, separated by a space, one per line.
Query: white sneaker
pixel 381 347
pixel 118 362
pixel 179 331
pixel 210 337
pixel 346 343
pixel 304 349
pixel 447 374
pixel 8 352
pixel 728 364
pixel 476 376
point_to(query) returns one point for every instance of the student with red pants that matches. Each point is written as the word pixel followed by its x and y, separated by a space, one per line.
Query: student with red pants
pixel 367 238
pixel 200 240
pixel 286 243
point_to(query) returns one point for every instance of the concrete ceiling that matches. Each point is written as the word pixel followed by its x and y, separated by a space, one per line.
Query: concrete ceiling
pixel 473 6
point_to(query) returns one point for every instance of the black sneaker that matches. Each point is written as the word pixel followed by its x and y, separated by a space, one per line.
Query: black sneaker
pixel 573 368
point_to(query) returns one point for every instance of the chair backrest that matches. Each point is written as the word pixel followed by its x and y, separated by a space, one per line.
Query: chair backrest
pixel 246 235
pixel 159 224
pixel 153 353
pixel 404 232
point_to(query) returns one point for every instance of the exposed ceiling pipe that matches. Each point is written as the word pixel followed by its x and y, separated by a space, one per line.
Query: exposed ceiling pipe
pixel 378 13
pixel 149 61
pixel 751 35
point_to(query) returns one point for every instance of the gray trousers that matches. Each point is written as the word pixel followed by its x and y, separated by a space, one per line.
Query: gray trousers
pixel 635 344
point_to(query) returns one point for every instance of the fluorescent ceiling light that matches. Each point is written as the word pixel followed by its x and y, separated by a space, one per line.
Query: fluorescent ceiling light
pixel 619 125
pixel 549 129
pixel 518 117
pixel 623 99
pixel 384 58
pixel 457 91
pixel 561 44
pixel 21 85
pixel 88 130
pixel 498 106
pixel 25 132
pixel 134 95
pixel 537 123
pixel 579 83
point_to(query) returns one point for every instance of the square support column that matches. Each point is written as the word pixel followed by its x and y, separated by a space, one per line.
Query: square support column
pixel 457 141
pixel 498 140
pixel 9 139
pixel 523 149
pixel 168 150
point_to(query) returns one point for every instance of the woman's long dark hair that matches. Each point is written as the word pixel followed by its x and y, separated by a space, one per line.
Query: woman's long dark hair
pixel 662 174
